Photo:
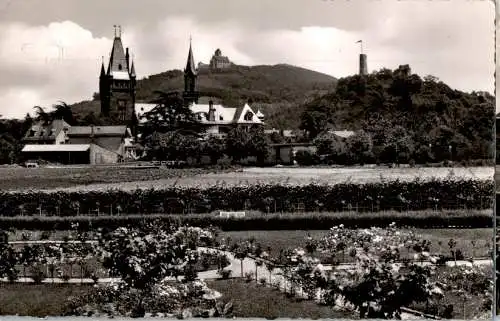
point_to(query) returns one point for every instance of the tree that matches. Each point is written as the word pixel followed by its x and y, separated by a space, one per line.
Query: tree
pixel 258 144
pixel 171 114
pixel 315 119
pixel 237 141
pixel 8 261
pixel 42 116
pixel 214 147
pixel 360 147
pixel 63 111
pixel 330 145
pixel 241 251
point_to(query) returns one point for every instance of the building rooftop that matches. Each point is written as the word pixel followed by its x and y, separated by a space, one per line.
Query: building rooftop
pixel 56 148
pixel 98 130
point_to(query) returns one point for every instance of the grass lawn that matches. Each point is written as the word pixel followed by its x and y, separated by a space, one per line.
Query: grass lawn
pixel 278 240
pixel 253 300
pixel 37 300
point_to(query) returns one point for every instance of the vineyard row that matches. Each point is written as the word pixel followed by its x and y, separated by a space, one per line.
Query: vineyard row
pixel 384 196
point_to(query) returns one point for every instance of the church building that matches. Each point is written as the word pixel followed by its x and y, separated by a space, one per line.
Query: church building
pixel 117 84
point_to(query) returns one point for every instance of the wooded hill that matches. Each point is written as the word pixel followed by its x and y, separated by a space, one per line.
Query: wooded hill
pixel 400 106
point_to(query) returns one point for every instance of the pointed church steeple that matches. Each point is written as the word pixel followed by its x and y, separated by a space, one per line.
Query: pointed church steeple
pixel 190 75
pixel 132 70
pixel 190 67
pixel 103 72
pixel 118 58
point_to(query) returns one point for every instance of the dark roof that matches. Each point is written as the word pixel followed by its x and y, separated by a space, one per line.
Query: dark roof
pixel 237 113
pixel 190 62
pixel 117 57
pixel 98 130
pixel 45 132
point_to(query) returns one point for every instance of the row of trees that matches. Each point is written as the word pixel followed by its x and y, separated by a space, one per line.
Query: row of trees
pixel 390 146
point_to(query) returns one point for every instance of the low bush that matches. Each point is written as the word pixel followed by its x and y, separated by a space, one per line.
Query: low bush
pixel 284 221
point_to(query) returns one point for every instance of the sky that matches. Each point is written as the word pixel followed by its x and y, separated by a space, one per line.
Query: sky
pixel 51 50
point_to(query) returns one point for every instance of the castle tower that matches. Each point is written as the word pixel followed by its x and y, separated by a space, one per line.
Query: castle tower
pixel 363 67
pixel 190 94
pixel 117 84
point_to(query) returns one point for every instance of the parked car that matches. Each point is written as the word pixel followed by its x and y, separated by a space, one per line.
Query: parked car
pixel 31 164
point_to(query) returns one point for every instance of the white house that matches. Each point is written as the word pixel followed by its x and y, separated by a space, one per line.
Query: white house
pixel 217 119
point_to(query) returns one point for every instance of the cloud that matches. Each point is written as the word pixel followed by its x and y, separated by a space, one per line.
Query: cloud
pixel 444 39
pixel 46 64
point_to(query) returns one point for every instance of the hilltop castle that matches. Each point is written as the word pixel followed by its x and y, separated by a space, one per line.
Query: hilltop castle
pixel 219 61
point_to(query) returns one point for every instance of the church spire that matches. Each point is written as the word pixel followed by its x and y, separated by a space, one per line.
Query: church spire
pixel 132 70
pixel 190 61
pixel 118 58
pixel 190 94
pixel 103 72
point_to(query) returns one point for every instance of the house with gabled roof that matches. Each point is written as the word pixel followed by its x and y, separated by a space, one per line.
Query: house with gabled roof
pixel 59 142
pixel 47 133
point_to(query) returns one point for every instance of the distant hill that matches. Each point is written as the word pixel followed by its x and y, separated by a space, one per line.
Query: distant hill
pixel 274 89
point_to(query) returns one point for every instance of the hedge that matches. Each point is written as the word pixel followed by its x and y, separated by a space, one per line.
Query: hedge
pixel 372 197
pixel 288 221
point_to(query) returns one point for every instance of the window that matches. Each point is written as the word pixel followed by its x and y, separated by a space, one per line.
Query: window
pixel 221 118
pixel 249 116
pixel 119 66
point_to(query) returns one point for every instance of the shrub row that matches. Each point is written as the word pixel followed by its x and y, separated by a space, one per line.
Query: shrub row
pixel 383 196
pixel 288 221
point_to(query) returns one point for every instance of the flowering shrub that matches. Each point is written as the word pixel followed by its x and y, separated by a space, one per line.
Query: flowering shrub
pixel 149 260
pixel 379 283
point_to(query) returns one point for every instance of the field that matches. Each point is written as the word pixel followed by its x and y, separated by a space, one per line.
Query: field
pixel 15 178
pixel 108 177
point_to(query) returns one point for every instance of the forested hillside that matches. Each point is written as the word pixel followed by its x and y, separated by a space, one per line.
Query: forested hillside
pixel 398 106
